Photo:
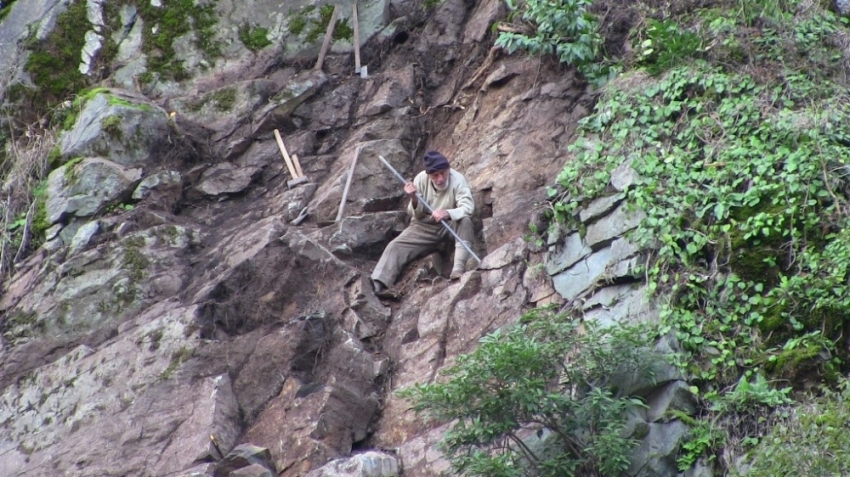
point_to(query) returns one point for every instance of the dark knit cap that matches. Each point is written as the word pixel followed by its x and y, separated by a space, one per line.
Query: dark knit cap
pixel 434 161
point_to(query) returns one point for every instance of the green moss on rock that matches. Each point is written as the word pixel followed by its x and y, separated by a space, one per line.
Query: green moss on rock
pixel 171 21
pixel 224 99
pixel 343 31
pixel 177 358
pixel 112 126
pixel 54 62
pixel 133 260
pixel 297 24
pixel 254 38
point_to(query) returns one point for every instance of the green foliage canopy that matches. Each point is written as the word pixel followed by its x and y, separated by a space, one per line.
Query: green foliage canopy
pixel 563 28
pixel 545 374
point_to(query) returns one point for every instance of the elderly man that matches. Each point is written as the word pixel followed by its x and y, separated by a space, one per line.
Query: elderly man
pixel 448 194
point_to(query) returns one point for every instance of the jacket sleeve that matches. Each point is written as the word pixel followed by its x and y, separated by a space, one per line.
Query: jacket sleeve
pixel 420 211
pixel 464 203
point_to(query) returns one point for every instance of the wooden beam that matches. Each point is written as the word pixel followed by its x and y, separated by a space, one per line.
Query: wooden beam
pixel 341 212
pixel 285 155
pixel 327 41
pixel 356 39
pixel 297 165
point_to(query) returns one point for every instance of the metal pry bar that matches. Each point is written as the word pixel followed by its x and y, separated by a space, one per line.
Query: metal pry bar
pixel 430 210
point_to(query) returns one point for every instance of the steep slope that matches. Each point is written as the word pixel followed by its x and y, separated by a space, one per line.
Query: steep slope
pixel 203 318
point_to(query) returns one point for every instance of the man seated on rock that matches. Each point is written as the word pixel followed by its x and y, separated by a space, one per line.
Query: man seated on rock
pixel 448 194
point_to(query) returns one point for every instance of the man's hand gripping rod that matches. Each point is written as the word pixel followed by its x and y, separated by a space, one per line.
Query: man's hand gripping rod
pixel 430 210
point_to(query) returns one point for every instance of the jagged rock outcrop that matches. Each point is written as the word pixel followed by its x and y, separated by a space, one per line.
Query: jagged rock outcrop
pixel 156 337
pixel 85 188
pixel 368 464
pixel 130 128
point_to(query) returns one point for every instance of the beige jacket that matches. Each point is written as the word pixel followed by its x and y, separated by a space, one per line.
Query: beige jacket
pixel 456 199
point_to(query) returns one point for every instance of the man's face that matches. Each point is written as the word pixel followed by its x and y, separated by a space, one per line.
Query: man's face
pixel 440 178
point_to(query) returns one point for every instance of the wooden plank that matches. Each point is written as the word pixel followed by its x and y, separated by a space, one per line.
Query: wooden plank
pixel 285 154
pixel 341 212
pixel 356 39
pixel 327 41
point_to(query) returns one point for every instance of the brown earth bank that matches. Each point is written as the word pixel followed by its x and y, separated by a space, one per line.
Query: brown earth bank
pixel 209 316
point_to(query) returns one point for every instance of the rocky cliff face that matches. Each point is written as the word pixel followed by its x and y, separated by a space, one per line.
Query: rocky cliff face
pixel 187 301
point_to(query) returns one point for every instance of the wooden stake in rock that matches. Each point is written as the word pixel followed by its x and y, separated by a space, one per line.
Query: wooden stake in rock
pixel 297 165
pixel 327 41
pixel 297 177
pixel 341 211
pixel 356 39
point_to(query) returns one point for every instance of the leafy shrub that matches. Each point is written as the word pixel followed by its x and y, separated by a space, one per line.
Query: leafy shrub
pixel 745 216
pixel 564 28
pixel 547 375
pixel 666 45
pixel 744 177
pixel 704 438
pixel 747 394
pixel 811 439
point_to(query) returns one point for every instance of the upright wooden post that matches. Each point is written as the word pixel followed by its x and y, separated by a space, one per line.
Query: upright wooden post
pixel 327 41
pixel 356 39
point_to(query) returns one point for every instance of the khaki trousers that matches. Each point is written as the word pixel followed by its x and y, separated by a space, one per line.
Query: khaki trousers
pixel 417 239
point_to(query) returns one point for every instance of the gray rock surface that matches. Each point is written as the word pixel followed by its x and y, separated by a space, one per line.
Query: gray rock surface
pixel 366 316
pixel 226 178
pixel 673 396
pixel 244 456
pixel 620 221
pixel 605 266
pixel 94 43
pixel 367 464
pixel 15 27
pixel 369 232
pixel 200 321
pixel 297 90
pixel 565 254
pixel 599 207
pixel 656 457
pixel 372 183
pixel 253 470
pixel 82 189
pixel 624 176
pixel 387 91
pixel 629 305
pixel 128 129
pixel 84 236
pixel 164 186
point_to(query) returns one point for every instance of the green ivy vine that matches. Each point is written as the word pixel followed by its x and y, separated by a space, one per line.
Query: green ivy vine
pixel 744 182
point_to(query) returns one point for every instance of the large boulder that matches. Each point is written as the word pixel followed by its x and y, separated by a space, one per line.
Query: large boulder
pixel 298 89
pixel 367 464
pixel 85 188
pixel 101 287
pixel 18 25
pixel 373 187
pixel 146 407
pixel 126 128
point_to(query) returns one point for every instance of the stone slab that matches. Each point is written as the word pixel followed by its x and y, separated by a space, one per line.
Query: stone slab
pixel 620 221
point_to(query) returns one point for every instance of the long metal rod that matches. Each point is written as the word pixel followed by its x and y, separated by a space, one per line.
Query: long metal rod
pixel 430 210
